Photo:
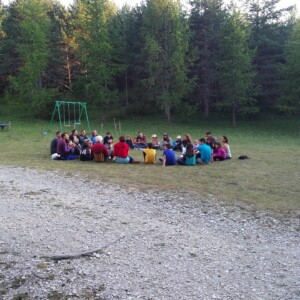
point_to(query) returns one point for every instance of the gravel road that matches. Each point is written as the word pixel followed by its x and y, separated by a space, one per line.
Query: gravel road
pixel 141 245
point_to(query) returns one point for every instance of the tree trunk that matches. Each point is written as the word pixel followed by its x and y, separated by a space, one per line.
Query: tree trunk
pixel 234 114
pixel 206 96
pixel 168 113
pixel 126 89
pixel 69 74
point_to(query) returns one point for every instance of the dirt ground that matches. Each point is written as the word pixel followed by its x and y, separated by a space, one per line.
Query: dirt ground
pixel 130 244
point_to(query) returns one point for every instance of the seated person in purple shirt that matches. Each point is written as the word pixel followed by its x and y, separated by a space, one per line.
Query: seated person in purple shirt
pixel 219 153
pixel 65 148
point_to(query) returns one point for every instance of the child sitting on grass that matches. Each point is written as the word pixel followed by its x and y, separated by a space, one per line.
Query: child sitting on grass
pixel 168 156
pixel 155 141
pixel 177 144
pixel 121 152
pixel 128 141
pixel 140 142
pixel 149 154
pixel 205 152
pixel 189 157
pixel 196 144
pixel 219 153
pixel 226 146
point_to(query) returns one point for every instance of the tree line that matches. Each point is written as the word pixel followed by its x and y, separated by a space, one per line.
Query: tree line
pixel 159 55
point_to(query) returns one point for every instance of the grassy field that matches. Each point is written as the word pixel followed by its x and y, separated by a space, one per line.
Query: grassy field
pixel 268 181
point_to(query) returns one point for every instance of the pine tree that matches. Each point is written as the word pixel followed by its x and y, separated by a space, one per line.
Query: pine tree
pixel 56 75
pixel 130 44
pixel 95 52
pixel 290 89
pixel 32 47
pixel 235 70
pixel 167 43
pixel 206 21
pixel 270 30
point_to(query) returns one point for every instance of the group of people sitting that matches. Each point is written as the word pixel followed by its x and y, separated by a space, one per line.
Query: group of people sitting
pixel 73 146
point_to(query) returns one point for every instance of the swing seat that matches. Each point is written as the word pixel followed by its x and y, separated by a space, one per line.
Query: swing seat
pixel 99 157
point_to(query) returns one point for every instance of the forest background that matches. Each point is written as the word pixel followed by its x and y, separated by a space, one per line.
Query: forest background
pixel 212 59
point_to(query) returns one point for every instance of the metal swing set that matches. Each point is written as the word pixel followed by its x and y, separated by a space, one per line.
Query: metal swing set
pixel 66 110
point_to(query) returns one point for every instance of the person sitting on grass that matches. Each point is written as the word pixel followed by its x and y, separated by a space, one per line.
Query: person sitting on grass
pixel 186 140
pixel 226 146
pixel 149 154
pixel 54 142
pixel 210 140
pixel 99 151
pixel 93 136
pixel 75 139
pixel 121 151
pixel 196 144
pixel 86 151
pixel 219 153
pixel 168 156
pixel 108 142
pixel 189 157
pixel 155 141
pixel 166 140
pixel 129 141
pixel 65 148
pixel 177 144
pixel 205 152
pixel 82 137
pixel 140 142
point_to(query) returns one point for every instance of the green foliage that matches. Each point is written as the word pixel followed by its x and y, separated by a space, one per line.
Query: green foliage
pixel 95 51
pixel 270 30
pixel 236 72
pixel 148 58
pixel 206 22
pixel 166 48
pixel 33 52
pixel 290 91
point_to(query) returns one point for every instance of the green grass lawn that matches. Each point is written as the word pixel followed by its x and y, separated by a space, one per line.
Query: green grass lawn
pixel 267 181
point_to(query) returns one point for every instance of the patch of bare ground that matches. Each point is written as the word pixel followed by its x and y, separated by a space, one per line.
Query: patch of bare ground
pixel 64 237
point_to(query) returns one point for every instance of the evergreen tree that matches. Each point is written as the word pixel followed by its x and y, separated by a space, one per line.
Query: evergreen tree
pixel 56 75
pixel 270 30
pixel 128 24
pixel 206 21
pixel 2 37
pixel 9 58
pixel 290 90
pixel 235 70
pixel 167 43
pixel 32 47
pixel 95 52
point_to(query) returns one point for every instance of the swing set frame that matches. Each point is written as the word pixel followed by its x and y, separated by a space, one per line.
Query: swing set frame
pixel 63 109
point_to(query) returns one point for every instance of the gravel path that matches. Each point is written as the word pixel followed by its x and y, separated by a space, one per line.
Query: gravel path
pixel 160 246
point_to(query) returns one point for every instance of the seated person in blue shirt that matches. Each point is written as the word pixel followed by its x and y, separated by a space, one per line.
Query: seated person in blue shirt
pixel 169 158
pixel 205 152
